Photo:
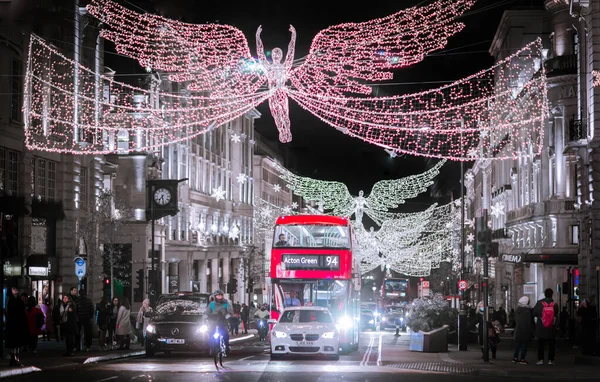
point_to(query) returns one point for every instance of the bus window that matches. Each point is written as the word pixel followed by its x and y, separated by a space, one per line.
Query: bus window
pixel 312 236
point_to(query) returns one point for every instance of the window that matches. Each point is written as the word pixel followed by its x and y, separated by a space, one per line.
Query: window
pixel 83 188
pixel 43 178
pixel 9 161
pixel 574 234
pixel 16 101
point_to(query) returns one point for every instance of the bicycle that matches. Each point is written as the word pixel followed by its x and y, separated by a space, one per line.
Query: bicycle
pixel 218 347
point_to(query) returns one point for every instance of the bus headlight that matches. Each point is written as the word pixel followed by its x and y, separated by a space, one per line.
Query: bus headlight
pixel 328 335
pixel 345 323
pixel 279 334
pixel 150 329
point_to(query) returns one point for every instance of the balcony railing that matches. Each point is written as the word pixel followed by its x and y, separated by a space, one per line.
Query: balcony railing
pixel 548 207
pixel 561 65
pixel 577 129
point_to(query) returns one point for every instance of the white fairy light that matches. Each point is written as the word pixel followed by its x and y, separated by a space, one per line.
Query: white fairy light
pixel 241 178
pixel 235 138
pixel 497 209
pixel 218 193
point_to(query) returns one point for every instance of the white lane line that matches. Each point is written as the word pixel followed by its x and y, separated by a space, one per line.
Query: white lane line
pixel 139 376
pixel 379 350
pixel 367 355
pixel 246 358
pixel 232 340
pixel 106 379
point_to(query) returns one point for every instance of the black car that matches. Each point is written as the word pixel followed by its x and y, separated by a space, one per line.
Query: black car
pixel 178 323
pixel 392 316
pixel 367 320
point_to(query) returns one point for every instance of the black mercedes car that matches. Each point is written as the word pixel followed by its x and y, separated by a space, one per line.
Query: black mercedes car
pixel 392 316
pixel 178 324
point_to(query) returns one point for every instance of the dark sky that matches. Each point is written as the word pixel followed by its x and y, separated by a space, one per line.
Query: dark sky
pixel 321 151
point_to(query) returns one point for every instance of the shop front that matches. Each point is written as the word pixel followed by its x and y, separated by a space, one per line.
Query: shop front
pixel 42 271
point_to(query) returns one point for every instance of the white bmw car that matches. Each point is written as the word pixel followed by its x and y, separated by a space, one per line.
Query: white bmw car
pixel 305 330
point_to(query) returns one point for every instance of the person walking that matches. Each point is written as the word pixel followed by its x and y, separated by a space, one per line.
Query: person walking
pixel 587 313
pixel 16 331
pixel 492 337
pixel 523 330
pixel 234 322
pixel 245 315
pixel 85 314
pixel 142 321
pixel 114 312
pixel 563 321
pixel 511 319
pixel 545 314
pixel 502 316
pixel 56 320
pixel 123 325
pixel 48 327
pixel 68 323
pixel 35 321
pixel 103 314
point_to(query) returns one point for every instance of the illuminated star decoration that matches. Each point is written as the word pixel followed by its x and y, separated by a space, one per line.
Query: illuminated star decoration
pixel 218 193
pixel 497 209
pixel 469 176
pixel 385 194
pixel 235 138
pixel 241 178
pixel 470 237
pixel 596 75
pixel 214 64
pixel 294 205
pixel 276 188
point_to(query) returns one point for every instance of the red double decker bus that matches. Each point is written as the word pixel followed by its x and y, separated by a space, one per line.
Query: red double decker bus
pixel 312 264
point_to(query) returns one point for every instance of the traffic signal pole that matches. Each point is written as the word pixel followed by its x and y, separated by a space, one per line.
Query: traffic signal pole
pixel 463 330
pixel 152 292
pixel 484 291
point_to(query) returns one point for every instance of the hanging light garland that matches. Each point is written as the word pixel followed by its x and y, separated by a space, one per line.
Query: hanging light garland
pixel 385 194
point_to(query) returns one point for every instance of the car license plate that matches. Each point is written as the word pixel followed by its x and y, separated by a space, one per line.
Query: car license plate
pixel 175 341
pixel 304 343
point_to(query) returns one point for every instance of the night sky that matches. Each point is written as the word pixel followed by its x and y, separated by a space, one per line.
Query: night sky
pixel 321 151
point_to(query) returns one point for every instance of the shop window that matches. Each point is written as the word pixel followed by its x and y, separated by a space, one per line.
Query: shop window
pixel 574 234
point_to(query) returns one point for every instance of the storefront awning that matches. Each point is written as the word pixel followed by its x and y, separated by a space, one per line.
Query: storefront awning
pixel 553 258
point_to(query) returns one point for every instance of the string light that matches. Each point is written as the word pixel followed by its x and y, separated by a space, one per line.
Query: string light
pixel 596 75
pixel 385 194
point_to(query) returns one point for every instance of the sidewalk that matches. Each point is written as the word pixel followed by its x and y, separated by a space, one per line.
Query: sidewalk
pixel 49 356
pixel 397 355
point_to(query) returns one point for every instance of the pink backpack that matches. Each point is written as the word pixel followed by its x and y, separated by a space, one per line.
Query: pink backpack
pixel 548 314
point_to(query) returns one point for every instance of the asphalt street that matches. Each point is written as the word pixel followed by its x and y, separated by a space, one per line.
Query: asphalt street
pixel 380 358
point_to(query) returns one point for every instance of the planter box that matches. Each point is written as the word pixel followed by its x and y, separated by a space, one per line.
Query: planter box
pixel 435 341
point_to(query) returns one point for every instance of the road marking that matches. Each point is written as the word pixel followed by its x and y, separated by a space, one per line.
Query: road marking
pixel 139 376
pixel 231 340
pixel 246 358
pixel 367 355
pixel 106 379
pixel 379 350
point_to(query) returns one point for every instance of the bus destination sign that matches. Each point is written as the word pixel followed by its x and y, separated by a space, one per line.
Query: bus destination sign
pixel 311 262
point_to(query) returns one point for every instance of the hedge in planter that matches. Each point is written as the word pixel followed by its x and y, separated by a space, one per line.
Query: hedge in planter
pixel 427 314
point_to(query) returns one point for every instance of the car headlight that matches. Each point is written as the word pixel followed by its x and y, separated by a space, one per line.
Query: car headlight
pixel 345 323
pixel 202 329
pixel 150 328
pixel 371 322
pixel 401 319
pixel 383 319
pixel 216 335
pixel 376 314
pixel 328 335
pixel 279 334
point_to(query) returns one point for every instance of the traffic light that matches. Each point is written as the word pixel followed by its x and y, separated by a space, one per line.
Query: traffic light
pixel 140 278
pixel 232 286
pixel 107 281
pixel 250 286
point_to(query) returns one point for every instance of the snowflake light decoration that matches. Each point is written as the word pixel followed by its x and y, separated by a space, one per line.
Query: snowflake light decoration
pixel 497 209
pixel 294 205
pixel 276 188
pixel 234 232
pixel 235 138
pixel 471 237
pixel 218 193
pixel 241 178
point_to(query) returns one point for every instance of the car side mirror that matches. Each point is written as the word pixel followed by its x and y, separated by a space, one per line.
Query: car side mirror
pixel 271 321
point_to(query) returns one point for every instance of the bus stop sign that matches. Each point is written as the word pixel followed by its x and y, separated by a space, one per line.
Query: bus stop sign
pixel 80 268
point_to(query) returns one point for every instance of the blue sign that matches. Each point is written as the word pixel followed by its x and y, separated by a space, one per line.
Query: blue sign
pixel 80 268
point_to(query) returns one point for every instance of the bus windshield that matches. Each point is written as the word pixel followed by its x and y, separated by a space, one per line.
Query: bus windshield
pixel 312 236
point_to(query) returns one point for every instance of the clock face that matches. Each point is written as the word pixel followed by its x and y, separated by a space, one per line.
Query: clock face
pixel 162 196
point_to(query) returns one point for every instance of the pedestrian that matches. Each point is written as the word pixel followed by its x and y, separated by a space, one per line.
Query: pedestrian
pixel 35 321
pixel 48 327
pixel 142 320
pixel 545 314
pixel 587 313
pixel 563 320
pixel 16 330
pixel 85 314
pixel 493 339
pixel 103 320
pixel 114 312
pixel 56 320
pixel 123 324
pixel 511 318
pixel 68 323
pixel 523 330
pixel 245 315
pixel 234 322
pixel 501 316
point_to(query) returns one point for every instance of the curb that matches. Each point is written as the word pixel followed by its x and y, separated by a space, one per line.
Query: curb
pixel 112 356
pixel 18 371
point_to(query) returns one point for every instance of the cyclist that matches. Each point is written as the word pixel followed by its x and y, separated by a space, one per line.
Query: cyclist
pixel 219 310
pixel 263 316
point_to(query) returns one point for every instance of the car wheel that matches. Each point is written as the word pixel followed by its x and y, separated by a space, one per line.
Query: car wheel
pixel 275 356
pixel 334 357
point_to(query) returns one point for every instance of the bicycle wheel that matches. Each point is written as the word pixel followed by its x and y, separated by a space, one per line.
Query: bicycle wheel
pixel 223 348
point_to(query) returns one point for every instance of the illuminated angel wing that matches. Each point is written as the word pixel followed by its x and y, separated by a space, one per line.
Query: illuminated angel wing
pixel 342 56
pixel 387 194
pixel 211 56
pixel 334 195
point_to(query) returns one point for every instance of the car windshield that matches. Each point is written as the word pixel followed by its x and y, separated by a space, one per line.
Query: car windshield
pixel 305 316
pixel 181 306
pixel 394 310
pixel 201 300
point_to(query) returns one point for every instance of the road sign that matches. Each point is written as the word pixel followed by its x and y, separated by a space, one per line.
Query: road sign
pixel 425 284
pixel 80 268
pixel 462 285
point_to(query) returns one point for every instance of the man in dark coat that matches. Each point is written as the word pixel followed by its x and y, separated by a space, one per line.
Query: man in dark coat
pixel 85 314
pixel 16 332
pixel 245 315
pixel 68 323
pixel 523 330
pixel 587 312
pixel 545 333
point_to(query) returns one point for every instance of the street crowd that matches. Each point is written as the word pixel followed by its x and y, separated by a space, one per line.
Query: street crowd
pixel 543 322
